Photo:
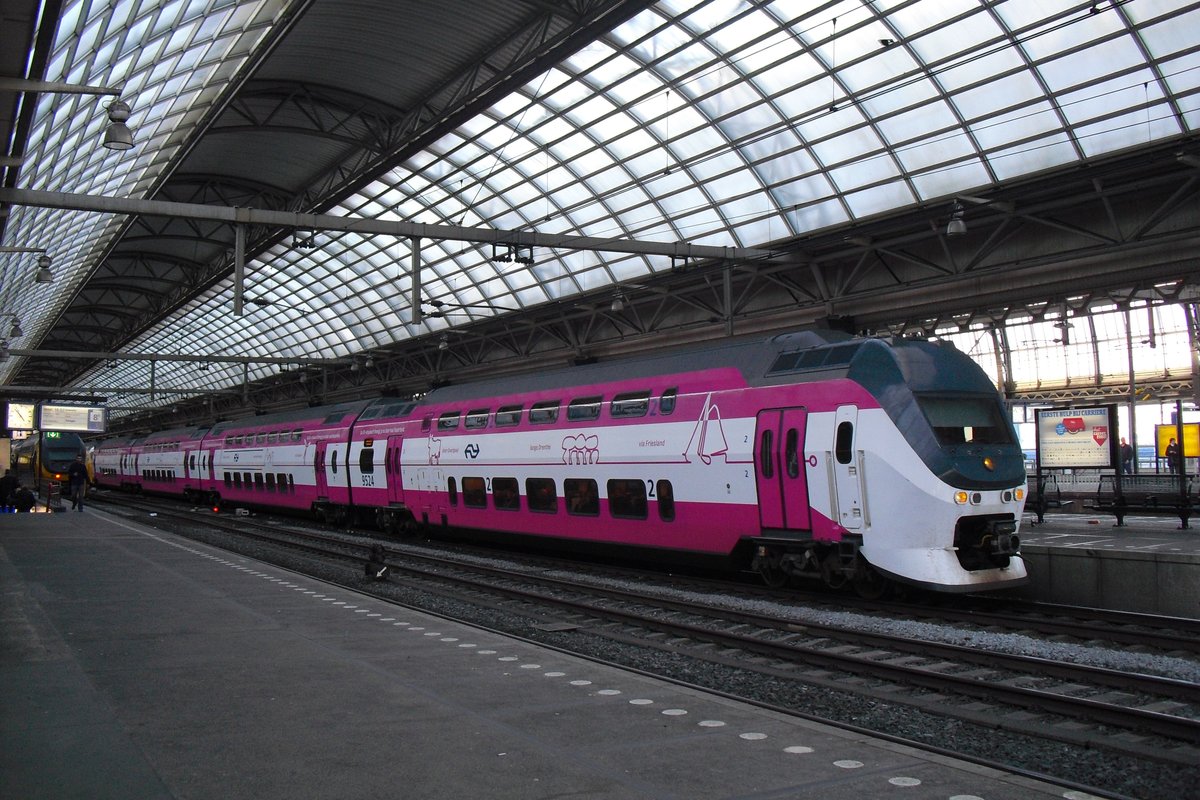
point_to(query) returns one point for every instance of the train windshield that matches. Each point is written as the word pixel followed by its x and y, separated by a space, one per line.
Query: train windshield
pixel 966 420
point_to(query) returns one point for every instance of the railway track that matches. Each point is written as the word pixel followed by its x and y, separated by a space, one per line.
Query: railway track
pixel 1127 715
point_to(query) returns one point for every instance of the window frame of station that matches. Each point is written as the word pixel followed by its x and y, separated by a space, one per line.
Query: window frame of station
pixel 585 408
pixel 475 490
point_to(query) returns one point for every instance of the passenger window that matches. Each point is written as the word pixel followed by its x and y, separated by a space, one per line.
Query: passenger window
pixel 508 415
pixel 582 409
pixel 448 421
pixel 366 461
pixel 452 490
pixel 627 498
pixel 844 444
pixel 582 496
pixel 666 403
pixel 791 453
pixel 237 480
pixel 666 501
pixel 270 481
pixel 540 495
pixel 506 494
pixel 766 454
pixel 258 480
pixel 634 404
pixel 476 419
pixel 544 413
pixel 474 493
pixel 282 481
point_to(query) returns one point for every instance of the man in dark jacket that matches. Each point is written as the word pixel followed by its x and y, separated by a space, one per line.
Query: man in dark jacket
pixel 77 478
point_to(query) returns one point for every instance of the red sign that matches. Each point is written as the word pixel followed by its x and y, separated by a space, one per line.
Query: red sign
pixel 1073 424
pixel 1100 434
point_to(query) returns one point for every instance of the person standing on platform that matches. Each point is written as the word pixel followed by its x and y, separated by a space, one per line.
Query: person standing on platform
pixel 1174 462
pixel 77 478
pixel 1126 457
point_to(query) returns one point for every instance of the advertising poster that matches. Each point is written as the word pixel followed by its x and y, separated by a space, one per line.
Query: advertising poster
pixel 1163 434
pixel 1075 437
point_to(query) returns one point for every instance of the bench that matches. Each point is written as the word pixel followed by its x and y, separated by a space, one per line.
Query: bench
pixel 1047 495
pixel 1147 494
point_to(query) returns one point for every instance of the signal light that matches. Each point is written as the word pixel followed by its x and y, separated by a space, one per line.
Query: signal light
pixel 960 498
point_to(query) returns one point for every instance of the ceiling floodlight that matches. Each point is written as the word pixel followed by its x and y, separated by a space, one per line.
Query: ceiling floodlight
pixel 618 304
pixel 956 227
pixel 444 342
pixel 118 136
pixel 44 275
pixel 16 331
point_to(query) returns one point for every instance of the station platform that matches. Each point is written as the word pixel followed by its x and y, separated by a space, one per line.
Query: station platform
pixel 1149 565
pixel 138 664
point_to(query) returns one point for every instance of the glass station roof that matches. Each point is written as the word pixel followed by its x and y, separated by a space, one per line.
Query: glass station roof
pixel 722 122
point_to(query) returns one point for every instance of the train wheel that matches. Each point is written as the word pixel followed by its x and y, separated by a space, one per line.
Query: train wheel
pixel 868 583
pixel 773 574
pixel 831 571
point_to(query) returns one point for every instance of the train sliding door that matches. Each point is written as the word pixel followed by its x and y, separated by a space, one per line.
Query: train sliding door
pixel 780 468
pixel 391 464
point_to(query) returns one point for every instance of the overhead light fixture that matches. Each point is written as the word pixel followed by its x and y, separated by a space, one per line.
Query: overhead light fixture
pixel 44 275
pixel 3 351
pixel 444 342
pixel 118 136
pixel 957 226
pixel 16 331
pixel 618 303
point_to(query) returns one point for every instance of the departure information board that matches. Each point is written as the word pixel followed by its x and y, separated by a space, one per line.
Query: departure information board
pixel 81 419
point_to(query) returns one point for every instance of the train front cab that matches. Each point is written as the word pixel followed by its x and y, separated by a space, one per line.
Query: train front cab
pixel 881 492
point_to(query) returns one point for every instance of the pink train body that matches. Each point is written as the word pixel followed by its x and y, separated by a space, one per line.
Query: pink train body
pixel 726 451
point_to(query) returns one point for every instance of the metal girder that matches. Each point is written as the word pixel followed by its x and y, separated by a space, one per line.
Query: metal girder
pixel 540 44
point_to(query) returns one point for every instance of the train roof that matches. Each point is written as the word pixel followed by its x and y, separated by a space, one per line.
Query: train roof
pixel 752 357
pixel 330 414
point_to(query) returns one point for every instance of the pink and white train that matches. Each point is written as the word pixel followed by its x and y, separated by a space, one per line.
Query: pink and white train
pixel 807 454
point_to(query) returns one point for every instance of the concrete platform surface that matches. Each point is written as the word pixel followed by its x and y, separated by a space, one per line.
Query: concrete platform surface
pixel 137 664
pixel 1149 565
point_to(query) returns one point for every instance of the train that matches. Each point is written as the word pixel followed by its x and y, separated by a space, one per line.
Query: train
pixel 45 456
pixel 868 462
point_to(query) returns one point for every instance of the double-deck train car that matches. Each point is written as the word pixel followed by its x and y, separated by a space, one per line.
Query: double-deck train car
pixel 45 456
pixel 807 454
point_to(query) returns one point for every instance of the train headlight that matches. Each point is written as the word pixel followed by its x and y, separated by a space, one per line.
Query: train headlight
pixel 988 463
pixel 960 498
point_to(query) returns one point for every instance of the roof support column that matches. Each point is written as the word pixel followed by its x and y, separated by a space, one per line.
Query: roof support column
pixel 239 263
pixel 728 279
pixel 417 316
